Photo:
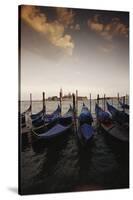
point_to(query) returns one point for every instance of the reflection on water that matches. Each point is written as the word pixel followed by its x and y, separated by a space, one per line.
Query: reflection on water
pixel 63 165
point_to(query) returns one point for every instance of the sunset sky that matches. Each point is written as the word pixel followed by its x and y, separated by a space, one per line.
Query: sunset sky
pixel 73 49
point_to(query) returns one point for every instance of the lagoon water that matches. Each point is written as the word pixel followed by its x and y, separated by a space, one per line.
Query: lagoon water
pixel 65 165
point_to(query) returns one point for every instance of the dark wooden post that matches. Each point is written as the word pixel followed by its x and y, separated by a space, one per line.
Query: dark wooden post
pixel 98 99
pixel 44 106
pixel 31 101
pixel 90 102
pixel 44 103
pixel 127 99
pixel 74 110
pixel 76 102
pixel 123 99
pixel 61 100
pixel 112 101
pixel 126 102
pixel 123 103
pixel 118 98
pixel 104 102
pixel 73 101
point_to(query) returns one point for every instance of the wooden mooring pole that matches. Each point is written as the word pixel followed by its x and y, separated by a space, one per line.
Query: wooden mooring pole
pixel 74 110
pixel 126 99
pixel 104 102
pixel 118 98
pixel 98 99
pixel 112 101
pixel 76 102
pixel 124 103
pixel 31 101
pixel 44 106
pixel 44 103
pixel 123 99
pixel 90 102
pixel 61 100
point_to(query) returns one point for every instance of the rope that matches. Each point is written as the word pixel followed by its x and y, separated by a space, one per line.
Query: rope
pixel 35 133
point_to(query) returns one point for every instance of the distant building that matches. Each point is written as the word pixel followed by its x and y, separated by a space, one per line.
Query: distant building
pixel 67 98
pixel 84 98
pixel 54 98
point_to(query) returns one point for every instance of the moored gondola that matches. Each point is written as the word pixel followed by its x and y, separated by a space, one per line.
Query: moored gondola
pixel 64 125
pixel 47 119
pixel 37 115
pixel 22 120
pixel 123 105
pixel 23 117
pixel 85 129
pixel 64 120
pixel 55 131
pixel 102 116
pixel 111 128
pixel 120 117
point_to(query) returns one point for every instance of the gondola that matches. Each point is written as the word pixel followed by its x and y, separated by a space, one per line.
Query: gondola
pixel 46 119
pixel 55 131
pixel 23 118
pixel 26 111
pixel 102 116
pixel 64 120
pixel 111 128
pixel 120 117
pixel 37 115
pixel 63 126
pixel 67 118
pixel 85 129
pixel 124 106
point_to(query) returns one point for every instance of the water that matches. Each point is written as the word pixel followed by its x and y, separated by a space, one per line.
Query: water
pixel 64 165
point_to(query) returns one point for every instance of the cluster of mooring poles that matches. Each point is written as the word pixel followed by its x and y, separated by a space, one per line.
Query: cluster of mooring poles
pixel 75 102
pixel 75 98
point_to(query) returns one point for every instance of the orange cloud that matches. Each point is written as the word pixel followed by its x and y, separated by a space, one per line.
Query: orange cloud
pixel 53 31
pixel 65 16
pixel 110 30
pixel 94 24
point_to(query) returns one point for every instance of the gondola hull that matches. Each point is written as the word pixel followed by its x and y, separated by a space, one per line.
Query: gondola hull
pixel 61 126
pixel 49 124
pixel 42 118
pixel 118 116
pixel 85 133
pixel 55 136
pixel 124 106
pixel 39 144
pixel 116 133
pixel 85 129
pixel 46 126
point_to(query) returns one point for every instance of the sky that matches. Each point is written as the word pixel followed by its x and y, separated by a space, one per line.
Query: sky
pixel 73 49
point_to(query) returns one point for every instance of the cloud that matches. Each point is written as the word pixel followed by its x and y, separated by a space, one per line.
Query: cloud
pixel 94 24
pixel 65 16
pixel 109 30
pixel 54 31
